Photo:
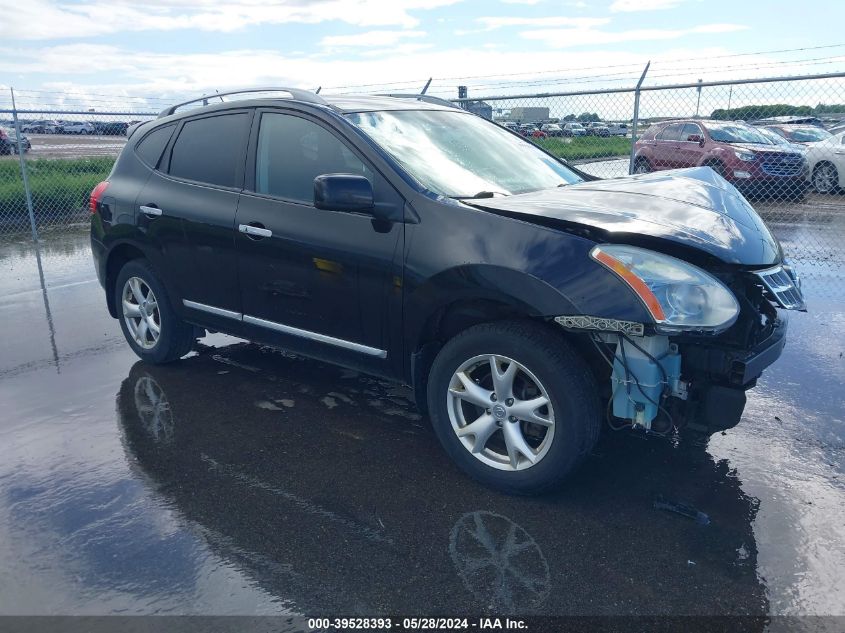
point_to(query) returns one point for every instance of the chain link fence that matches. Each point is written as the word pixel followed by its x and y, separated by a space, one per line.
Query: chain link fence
pixel 779 140
pixel 50 160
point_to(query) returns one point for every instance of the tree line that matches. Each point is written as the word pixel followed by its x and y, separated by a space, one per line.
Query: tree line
pixel 753 112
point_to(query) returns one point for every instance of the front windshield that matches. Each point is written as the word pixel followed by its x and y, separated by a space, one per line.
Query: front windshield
pixel 807 134
pixel 459 155
pixel 735 133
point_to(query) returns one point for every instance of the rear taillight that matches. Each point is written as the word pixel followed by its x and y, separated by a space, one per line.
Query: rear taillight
pixel 3 134
pixel 98 192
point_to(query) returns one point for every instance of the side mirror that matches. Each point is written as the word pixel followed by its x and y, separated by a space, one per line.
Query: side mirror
pixel 343 192
pixel 696 138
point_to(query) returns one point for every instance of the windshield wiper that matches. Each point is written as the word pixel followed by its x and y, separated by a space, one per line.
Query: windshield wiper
pixel 480 194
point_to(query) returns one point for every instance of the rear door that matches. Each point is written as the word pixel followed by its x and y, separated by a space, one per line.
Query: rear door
pixel 188 207
pixel 312 271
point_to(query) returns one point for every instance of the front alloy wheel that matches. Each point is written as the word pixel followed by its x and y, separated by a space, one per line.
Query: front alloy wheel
pixel 514 404
pixel 825 178
pixel 501 412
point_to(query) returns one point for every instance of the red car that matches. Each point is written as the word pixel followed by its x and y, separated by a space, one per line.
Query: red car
pixel 736 151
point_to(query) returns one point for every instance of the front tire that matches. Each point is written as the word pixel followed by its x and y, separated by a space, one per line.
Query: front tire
pixel 641 166
pixel 514 405
pixel 825 178
pixel 149 323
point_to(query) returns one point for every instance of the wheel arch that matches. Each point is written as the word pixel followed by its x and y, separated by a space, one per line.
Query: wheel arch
pixel 468 297
pixel 119 255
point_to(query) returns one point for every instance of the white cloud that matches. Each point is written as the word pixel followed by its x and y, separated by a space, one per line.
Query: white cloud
pixel 521 1
pixel 369 38
pixel 581 23
pixel 46 19
pixel 567 38
pixel 643 5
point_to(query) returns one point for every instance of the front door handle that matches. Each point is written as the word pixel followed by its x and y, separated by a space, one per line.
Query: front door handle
pixel 255 231
pixel 150 212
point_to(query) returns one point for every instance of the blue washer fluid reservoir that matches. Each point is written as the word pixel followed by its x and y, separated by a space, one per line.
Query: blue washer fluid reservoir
pixel 637 391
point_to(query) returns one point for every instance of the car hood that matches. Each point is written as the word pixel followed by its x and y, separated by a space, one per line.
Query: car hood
pixel 694 208
pixel 765 149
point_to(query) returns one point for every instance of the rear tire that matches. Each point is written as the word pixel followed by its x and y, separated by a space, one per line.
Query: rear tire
pixel 547 370
pixel 143 307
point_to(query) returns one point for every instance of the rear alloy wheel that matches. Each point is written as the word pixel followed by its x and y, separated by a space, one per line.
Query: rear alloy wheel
pixel 141 312
pixel 825 178
pixel 514 405
pixel 151 326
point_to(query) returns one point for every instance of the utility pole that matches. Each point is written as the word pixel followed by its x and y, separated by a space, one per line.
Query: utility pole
pixel 698 103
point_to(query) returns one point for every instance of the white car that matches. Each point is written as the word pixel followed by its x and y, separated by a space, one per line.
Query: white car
pixel 78 127
pixel 826 161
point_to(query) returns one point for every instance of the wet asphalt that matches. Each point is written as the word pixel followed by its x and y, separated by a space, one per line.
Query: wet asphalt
pixel 245 480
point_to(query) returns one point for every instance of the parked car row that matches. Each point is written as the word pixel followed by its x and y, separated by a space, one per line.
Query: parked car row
pixel 738 152
pixel 569 129
pixel 45 126
pixel 9 142
pixel 778 158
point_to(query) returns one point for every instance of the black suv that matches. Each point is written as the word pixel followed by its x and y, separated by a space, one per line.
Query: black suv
pixel 524 301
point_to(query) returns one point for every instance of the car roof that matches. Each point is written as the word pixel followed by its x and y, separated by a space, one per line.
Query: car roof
pixel 342 103
pixel 368 103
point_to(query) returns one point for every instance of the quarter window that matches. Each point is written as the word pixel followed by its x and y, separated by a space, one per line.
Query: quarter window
pixel 292 151
pixel 210 149
pixel 152 145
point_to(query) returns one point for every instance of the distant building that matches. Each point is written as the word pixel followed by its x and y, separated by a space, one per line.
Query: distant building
pixel 480 108
pixel 529 114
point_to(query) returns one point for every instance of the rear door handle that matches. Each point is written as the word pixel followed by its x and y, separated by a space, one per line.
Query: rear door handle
pixel 256 231
pixel 150 212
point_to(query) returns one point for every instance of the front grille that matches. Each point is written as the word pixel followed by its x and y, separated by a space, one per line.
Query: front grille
pixel 782 288
pixel 783 166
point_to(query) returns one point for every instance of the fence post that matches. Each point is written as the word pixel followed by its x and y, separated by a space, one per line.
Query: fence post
pixel 636 118
pixel 24 177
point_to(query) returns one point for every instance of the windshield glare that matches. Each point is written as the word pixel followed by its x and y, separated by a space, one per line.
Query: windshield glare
pixel 737 134
pixel 460 155
pixel 807 134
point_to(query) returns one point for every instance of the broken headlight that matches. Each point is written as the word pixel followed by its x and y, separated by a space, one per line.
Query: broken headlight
pixel 678 295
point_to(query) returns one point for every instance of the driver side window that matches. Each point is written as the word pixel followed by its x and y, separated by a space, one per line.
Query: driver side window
pixel 292 151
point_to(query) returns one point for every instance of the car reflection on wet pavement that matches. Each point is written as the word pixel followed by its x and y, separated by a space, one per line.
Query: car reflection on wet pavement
pixel 247 480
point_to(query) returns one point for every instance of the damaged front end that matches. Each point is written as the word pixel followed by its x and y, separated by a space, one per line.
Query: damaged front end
pixel 711 339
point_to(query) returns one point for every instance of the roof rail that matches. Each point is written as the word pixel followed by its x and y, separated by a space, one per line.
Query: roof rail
pixel 422 97
pixel 297 93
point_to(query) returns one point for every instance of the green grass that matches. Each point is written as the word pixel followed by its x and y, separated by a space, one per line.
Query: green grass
pixel 586 146
pixel 60 187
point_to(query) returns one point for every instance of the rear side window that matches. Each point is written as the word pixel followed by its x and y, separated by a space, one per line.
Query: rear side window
pixel 210 149
pixel 152 145
pixel 292 151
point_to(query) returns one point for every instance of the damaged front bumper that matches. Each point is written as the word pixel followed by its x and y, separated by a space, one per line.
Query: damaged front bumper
pixel 659 383
pixel 718 378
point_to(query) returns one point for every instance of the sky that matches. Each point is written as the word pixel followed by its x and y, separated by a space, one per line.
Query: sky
pixel 162 49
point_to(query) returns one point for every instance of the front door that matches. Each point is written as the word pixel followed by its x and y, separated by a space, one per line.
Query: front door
pixel 318 278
